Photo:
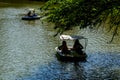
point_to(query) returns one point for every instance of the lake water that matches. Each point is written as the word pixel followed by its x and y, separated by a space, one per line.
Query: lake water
pixel 27 49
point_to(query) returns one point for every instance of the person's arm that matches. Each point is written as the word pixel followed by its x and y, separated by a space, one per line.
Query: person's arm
pixel 81 46
pixel 60 47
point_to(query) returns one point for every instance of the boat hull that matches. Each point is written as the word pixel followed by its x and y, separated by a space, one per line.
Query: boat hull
pixel 31 17
pixel 70 57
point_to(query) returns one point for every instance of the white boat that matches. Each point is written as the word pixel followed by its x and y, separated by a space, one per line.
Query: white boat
pixel 73 56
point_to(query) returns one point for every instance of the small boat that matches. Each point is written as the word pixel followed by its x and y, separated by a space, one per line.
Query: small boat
pixel 72 56
pixel 31 17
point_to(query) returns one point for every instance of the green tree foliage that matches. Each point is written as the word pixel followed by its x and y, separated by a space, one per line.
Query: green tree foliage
pixel 67 14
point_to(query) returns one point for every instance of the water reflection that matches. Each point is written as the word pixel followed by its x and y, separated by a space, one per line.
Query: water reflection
pixel 27 52
pixel 57 71
pixel 100 66
pixel 103 66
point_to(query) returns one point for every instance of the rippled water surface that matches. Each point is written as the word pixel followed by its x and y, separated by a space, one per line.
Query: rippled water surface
pixel 27 50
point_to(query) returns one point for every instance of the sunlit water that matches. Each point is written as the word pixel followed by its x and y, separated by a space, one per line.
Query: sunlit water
pixel 27 51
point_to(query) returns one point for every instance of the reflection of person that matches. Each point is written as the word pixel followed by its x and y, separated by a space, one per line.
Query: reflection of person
pixel 78 47
pixel 64 47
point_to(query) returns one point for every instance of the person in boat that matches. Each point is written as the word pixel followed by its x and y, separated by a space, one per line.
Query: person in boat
pixel 64 48
pixel 34 14
pixel 77 47
pixel 29 14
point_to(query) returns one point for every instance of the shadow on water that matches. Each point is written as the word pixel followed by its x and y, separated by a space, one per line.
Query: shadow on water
pixel 103 66
pixel 57 71
pixel 99 66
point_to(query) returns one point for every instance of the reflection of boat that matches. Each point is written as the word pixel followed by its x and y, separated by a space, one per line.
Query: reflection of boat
pixel 73 56
pixel 30 17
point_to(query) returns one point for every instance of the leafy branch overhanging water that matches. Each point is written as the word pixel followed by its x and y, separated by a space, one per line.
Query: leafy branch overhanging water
pixel 67 14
